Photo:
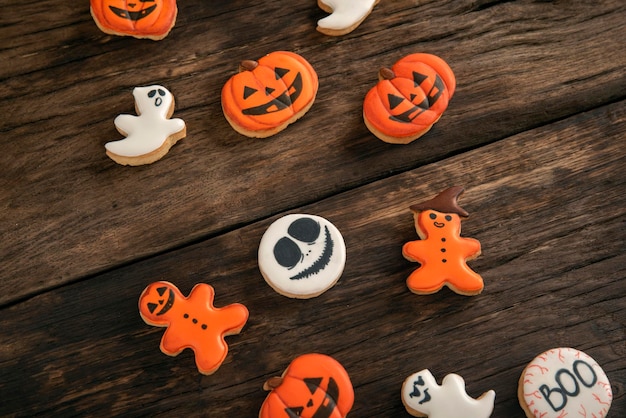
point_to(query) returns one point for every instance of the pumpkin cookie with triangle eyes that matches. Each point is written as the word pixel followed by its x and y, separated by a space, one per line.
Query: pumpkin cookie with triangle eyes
pixel 345 15
pixel 409 98
pixel 442 252
pixel 269 94
pixel 313 386
pixel 192 322
pixel 151 19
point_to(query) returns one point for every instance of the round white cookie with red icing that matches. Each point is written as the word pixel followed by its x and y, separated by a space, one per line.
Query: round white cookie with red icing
pixel 301 256
pixel 564 382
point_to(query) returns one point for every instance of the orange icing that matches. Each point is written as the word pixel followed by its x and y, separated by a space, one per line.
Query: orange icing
pixel 442 252
pixel 141 19
pixel 410 97
pixel 269 93
pixel 314 385
pixel 192 322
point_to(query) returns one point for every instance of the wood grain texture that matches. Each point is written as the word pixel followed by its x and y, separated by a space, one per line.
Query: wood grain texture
pixel 535 132
pixel 69 212
pixel 547 205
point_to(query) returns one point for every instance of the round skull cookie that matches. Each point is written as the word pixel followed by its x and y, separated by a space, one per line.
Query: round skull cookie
pixel 301 256
pixel 564 382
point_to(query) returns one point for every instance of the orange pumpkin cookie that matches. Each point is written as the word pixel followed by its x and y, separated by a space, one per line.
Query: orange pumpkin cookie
pixel 442 252
pixel 409 98
pixel 268 95
pixel 313 386
pixel 152 19
pixel 192 322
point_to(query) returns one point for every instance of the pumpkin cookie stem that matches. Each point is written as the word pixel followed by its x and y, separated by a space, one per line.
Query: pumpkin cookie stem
pixel 386 74
pixel 272 383
pixel 247 65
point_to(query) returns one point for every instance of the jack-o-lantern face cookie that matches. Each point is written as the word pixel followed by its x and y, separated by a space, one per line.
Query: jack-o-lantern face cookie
pixel 564 382
pixel 442 252
pixel 268 95
pixel 409 98
pixel 313 386
pixel 422 396
pixel 152 19
pixel 192 322
pixel 301 256
pixel 345 15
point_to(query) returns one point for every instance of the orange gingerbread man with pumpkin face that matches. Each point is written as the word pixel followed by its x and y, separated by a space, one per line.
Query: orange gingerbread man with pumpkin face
pixel 442 252
pixel 192 322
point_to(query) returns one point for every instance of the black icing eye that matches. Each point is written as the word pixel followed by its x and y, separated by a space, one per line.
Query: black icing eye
pixel 448 218
pixel 304 229
pixel 151 93
pixel 161 93
pixel 287 253
pixel 433 216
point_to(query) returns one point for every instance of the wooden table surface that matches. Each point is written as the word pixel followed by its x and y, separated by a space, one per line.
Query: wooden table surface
pixel 535 133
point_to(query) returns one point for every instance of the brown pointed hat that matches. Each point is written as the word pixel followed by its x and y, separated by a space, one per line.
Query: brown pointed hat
pixel 444 202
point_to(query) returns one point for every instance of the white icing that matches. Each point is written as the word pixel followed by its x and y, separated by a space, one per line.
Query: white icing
pixel 565 382
pixel 346 13
pixel 306 267
pixel 148 131
pixel 446 401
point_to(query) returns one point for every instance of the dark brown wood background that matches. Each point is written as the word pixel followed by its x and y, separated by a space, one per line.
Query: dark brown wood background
pixel 535 133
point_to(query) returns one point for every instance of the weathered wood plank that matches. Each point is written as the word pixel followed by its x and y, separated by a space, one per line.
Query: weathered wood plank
pixel 547 205
pixel 67 211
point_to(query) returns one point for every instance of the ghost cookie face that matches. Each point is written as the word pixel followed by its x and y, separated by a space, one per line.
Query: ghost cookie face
pixel 192 322
pixel 152 19
pixel 301 256
pixel 345 15
pixel 151 134
pixel 423 397
pixel 269 94
pixel 564 382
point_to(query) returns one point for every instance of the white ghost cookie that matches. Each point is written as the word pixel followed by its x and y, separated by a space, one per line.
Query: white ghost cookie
pixel 345 15
pixel 422 396
pixel 151 134
pixel 301 256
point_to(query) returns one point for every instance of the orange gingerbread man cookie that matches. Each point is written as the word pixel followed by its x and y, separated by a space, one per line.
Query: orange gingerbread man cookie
pixel 192 322
pixel 442 252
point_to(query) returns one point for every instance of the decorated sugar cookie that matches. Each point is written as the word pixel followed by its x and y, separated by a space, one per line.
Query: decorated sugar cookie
pixel 564 382
pixel 151 134
pixel 152 19
pixel 345 15
pixel 422 396
pixel 192 322
pixel 301 256
pixel 268 95
pixel 409 98
pixel 313 386
pixel 441 251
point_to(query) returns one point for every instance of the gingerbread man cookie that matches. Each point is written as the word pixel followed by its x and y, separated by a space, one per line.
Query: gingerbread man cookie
pixel 422 396
pixel 564 382
pixel 192 322
pixel 150 135
pixel 442 252
pixel 345 15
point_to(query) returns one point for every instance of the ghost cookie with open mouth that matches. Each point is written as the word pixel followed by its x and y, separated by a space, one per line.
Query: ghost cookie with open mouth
pixel 152 19
pixel 345 15
pixel 301 256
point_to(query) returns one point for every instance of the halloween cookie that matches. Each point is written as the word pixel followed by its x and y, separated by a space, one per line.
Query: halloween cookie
pixel 409 98
pixel 151 134
pixel 192 322
pixel 313 386
pixel 268 95
pixel 345 15
pixel 301 256
pixel 152 19
pixel 423 397
pixel 564 382
pixel 442 252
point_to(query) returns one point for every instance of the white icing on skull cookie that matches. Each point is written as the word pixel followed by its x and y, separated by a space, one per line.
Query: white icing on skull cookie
pixel 149 135
pixel 301 256
pixel 345 15
pixel 422 396
pixel 564 382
